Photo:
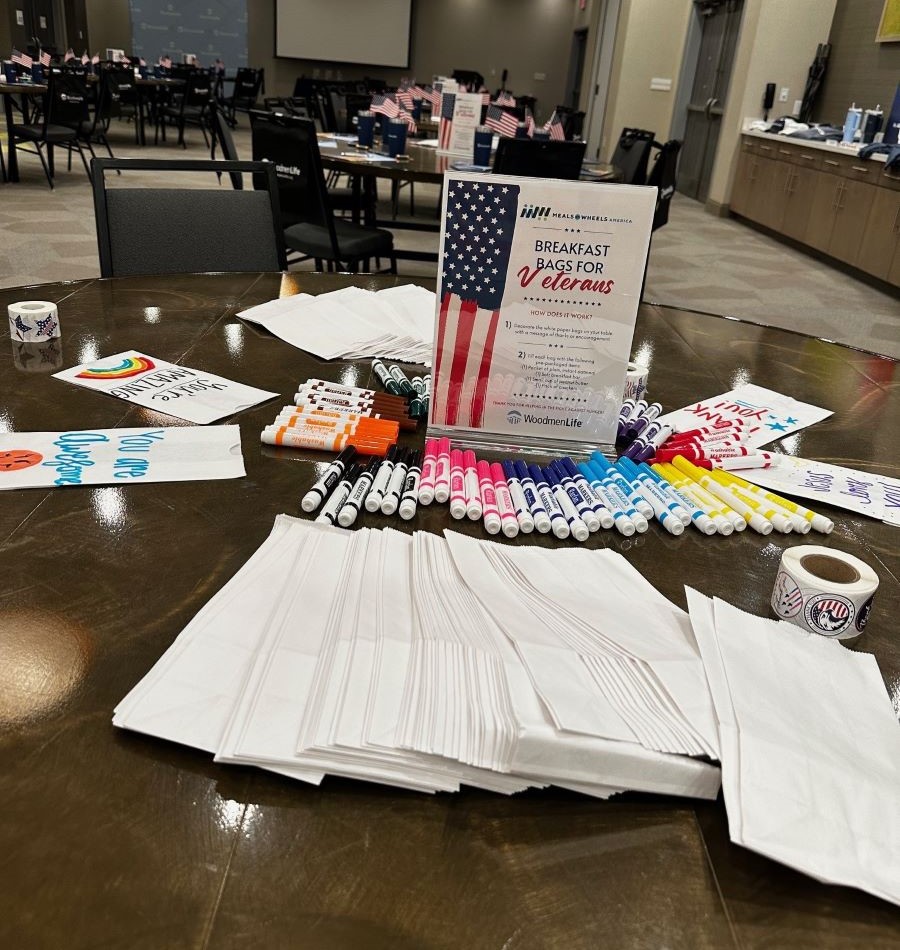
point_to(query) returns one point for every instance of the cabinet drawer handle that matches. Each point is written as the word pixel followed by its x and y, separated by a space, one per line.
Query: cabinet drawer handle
pixel 808 158
pixel 859 168
pixel 765 148
pixel 828 161
pixel 896 225
pixel 784 151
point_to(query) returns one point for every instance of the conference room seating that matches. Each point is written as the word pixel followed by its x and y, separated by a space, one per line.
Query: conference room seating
pixel 539 158
pixel 190 107
pixel 248 83
pixel 183 230
pixel 222 137
pixel 632 155
pixel 311 228
pixel 662 177
pixel 122 99
pixel 61 125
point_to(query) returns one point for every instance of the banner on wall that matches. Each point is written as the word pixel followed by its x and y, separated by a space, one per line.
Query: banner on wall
pixel 538 295
pixel 207 29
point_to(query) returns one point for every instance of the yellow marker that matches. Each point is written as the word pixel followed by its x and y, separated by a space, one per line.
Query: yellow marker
pixel 708 503
pixel 737 522
pixel 754 519
pixel 780 519
pixel 818 522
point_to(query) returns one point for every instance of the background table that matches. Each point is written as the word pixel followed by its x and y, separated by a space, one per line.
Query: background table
pixel 112 839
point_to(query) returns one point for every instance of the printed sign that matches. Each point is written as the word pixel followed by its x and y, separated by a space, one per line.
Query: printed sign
pixel 155 384
pixel 538 295
pixel 767 415
pixel 460 116
pixel 119 456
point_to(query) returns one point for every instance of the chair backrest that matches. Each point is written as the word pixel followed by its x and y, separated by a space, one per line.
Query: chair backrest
pixel 536 158
pixel 117 90
pixel 289 143
pixel 662 176
pixel 247 84
pixel 632 154
pixel 67 101
pixel 186 230
pixel 221 135
pixel 198 90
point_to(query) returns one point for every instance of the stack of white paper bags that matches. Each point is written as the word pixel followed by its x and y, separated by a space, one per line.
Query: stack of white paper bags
pixel 429 663
pixel 395 323
pixel 810 747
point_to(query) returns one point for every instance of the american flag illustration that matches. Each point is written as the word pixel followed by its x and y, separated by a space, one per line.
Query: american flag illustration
pixel 22 59
pixel 448 104
pixel 554 126
pixel 478 235
pixel 501 121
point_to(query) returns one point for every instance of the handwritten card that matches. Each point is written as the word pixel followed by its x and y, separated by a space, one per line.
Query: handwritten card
pixel 119 456
pixel 185 393
pixel 767 415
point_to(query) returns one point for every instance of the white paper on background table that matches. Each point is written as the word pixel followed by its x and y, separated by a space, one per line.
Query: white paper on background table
pixel 153 383
pixel 875 496
pixel 538 296
pixel 768 415
pixel 119 456
pixel 352 323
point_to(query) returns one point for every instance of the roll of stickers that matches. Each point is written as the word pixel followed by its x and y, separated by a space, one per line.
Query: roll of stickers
pixel 824 591
pixel 635 381
pixel 33 321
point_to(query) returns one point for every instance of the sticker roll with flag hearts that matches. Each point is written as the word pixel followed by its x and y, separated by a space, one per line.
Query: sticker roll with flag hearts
pixel 636 381
pixel 824 591
pixel 33 321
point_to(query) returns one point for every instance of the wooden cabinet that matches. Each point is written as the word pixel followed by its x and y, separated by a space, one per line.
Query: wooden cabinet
pixel 836 204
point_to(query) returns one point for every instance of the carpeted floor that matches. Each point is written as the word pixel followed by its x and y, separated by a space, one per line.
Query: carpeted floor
pixel 700 262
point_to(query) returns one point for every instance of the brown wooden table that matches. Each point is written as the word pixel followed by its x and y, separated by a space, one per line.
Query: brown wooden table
pixel 112 839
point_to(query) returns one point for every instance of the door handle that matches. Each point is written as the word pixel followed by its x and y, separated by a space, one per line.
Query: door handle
pixel 709 105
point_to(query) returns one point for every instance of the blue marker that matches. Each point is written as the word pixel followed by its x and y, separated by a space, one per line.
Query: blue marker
pixel 579 500
pixel 700 519
pixel 655 495
pixel 529 490
pixel 577 527
pixel 614 489
pixel 645 475
pixel 523 514
pixel 631 492
pixel 558 522
pixel 623 523
pixel 597 502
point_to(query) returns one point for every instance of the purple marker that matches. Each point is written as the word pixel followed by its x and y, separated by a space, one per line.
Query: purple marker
pixel 637 426
pixel 558 522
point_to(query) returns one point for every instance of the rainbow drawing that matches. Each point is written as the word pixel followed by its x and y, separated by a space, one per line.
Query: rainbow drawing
pixel 130 366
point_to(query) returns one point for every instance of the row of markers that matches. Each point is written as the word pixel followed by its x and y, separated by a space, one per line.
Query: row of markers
pixel 720 446
pixel 567 498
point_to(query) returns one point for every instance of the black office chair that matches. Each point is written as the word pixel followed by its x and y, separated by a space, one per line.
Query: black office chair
pixel 222 137
pixel 311 228
pixel 632 155
pixel 186 230
pixel 247 86
pixel 192 107
pixel 64 120
pixel 662 177
pixel 121 99
pixel 539 158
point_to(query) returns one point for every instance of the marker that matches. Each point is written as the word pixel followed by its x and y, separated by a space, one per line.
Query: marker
pixel 418 385
pixel 698 517
pixel 535 505
pixel 490 511
pixel 402 380
pixel 382 477
pixel 577 527
pixel 329 512
pixel 558 522
pixel 645 475
pixel 391 500
pixel 753 519
pixel 817 522
pixel 625 414
pixel 636 412
pixel 631 492
pixel 596 504
pixel 327 480
pixel 637 426
pixel 472 489
pixel 508 521
pixel 671 522
pixel 694 495
pixel 442 472
pixel 351 508
pixel 579 502
pixel 646 445
pixel 385 378
pixel 781 520
pixel 615 503
pixel 411 487
pixel 457 485
pixel 429 464
pixel 523 515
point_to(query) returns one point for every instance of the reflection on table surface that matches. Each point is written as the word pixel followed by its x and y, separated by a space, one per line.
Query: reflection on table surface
pixel 115 839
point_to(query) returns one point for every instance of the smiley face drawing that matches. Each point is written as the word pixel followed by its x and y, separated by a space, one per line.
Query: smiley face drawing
pixel 14 459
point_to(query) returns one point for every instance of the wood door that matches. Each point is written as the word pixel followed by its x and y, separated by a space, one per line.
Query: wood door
pixel 882 238
pixel 851 214
pixel 801 187
pixel 822 211
pixel 720 23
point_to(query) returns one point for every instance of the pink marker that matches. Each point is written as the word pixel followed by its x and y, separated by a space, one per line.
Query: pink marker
pixel 429 463
pixel 457 485
pixel 473 491
pixel 508 520
pixel 442 472
pixel 491 512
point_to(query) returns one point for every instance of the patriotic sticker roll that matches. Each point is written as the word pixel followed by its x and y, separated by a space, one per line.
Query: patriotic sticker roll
pixel 824 591
pixel 33 321
pixel 635 381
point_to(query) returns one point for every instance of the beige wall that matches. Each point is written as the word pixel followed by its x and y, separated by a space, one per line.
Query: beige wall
pixel 649 43
pixel 109 25
pixel 777 43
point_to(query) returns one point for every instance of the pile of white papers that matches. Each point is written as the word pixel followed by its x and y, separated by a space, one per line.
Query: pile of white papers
pixel 395 323
pixel 810 747
pixel 428 663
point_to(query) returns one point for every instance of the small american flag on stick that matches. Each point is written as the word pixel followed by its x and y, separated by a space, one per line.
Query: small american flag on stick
pixel 445 127
pixel 501 121
pixel 22 59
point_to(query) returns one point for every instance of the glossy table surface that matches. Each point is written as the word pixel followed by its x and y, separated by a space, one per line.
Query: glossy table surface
pixel 115 840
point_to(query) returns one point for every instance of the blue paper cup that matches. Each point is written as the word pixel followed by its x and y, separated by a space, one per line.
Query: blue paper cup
pixel 483 139
pixel 365 127
pixel 10 72
pixel 395 137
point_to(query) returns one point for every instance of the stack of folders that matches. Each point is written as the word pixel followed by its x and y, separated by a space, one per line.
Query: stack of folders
pixel 396 323
pixel 429 662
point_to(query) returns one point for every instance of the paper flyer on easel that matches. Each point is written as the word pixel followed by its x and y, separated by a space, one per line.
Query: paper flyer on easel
pixel 537 301
pixel 459 137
